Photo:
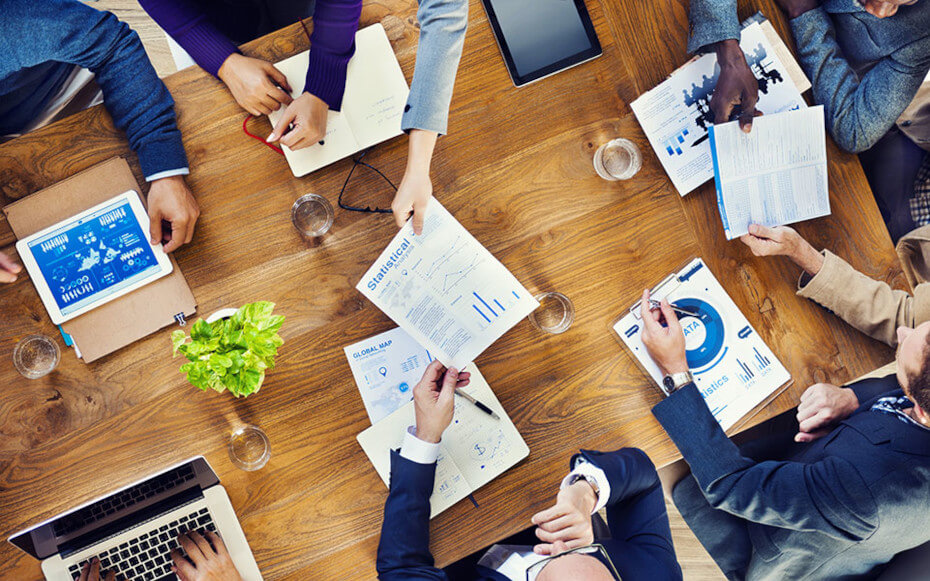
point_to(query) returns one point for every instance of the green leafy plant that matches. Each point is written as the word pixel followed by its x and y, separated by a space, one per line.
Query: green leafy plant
pixel 231 354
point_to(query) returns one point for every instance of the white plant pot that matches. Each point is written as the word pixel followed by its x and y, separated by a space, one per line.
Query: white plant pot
pixel 221 314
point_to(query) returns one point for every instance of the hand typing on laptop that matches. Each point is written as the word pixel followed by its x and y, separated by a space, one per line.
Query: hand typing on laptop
pixel 207 559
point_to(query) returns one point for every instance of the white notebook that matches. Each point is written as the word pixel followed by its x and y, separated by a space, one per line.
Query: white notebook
pixel 475 448
pixel 372 106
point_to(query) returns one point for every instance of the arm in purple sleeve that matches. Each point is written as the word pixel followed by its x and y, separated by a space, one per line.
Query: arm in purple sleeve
pixel 186 23
pixel 332 44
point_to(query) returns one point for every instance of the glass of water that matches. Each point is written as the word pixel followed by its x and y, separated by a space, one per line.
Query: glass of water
pixel 312 215
pixel 555 313
pixel 36 356
pixel 618 159
pixel 249 448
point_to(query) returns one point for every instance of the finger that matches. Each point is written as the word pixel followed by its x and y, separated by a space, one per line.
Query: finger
pixel 218 545
pixel 543 549
pixel 449 381
pixel 814 422
pixel 9 265
pixel 276 93
pixel 401 213
pixel 418 213
pixel 549 514
pixel 722 108
pixel 810 436
pixel 559 547
pixel 182 567
pixel 279 78
pixel 190 547
pixel 189 228
pixel 7 276
pixel 111 575
pixel 561 523
pixel 268 102
pixel 177 236
pixel 283 123
pixel 201 543
pixel 155 230
pixel 293 136
pixel 670 317
pixel 649 319
pixel 434 372
pixel 809 392
pixel 760 231
pixel 85 571
pixel 94 574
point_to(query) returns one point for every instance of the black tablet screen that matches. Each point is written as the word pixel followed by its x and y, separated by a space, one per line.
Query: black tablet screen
pixel 540 33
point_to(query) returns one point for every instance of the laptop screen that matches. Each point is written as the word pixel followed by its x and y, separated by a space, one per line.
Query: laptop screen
pixel 115 512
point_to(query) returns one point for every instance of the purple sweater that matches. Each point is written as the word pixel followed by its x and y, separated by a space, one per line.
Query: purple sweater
pixel 333 41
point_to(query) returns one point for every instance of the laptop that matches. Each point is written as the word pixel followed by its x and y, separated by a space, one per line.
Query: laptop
pixel 133 529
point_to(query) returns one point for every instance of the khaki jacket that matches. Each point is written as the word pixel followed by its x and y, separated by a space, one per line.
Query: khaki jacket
pixel 872 306
pixel 915 121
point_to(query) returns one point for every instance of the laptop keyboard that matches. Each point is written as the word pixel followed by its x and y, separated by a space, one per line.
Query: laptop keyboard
pixel 147 556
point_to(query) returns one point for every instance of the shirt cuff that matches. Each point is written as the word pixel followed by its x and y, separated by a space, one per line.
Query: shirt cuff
pixel 416 450
pixel 168 173
pixel 591 472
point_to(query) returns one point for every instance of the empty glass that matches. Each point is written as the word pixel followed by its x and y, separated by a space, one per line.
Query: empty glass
pixel 618 159
pixel 36 356
pixel 312 215
pixel 249 448
pixel 555 313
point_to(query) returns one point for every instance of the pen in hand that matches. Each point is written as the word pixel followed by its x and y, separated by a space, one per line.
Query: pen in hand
pixel 478 404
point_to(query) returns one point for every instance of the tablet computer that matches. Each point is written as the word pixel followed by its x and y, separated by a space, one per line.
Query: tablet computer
pixel 539 38
pixel 93 258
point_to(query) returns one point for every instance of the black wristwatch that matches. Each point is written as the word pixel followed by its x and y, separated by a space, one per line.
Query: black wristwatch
pixel 675 381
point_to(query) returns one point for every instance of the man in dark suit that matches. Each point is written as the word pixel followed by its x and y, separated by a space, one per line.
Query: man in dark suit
pixel 625 482
pixel 838 500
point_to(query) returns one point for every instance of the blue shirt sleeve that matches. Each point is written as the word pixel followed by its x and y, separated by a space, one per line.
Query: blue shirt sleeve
pixel 32 33
pixel 711 21
pixel 858 112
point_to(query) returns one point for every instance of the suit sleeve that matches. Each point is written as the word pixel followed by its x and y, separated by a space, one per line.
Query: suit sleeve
pixel 133 94
pixel 711 21
pixel 869 305
pixel 636 510
pixel 827 496
pixel 403 551
pixel 868 390
pixel 858 112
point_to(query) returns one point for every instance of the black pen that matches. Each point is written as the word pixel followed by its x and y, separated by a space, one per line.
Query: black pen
pixel 478 404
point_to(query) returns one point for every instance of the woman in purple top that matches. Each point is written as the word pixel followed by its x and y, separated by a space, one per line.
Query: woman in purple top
pixel 210 30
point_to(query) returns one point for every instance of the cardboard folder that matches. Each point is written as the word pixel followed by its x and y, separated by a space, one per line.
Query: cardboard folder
pixel 129 318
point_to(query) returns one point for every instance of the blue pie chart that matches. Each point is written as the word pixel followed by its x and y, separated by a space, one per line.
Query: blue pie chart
pixel 706 352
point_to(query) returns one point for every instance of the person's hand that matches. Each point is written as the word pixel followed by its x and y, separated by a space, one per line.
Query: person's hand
pixel 307 113
pixel 173 212
pixel 568 523
pixel 8 268
pixel 434 400
pixel 885 8
pixel 256 85
pixel 416 188
pixel 783 241
pixel 91 572
pixel 665 344
pixel 736 85
pixel 822 406
pixel 207 559
pixel 795 8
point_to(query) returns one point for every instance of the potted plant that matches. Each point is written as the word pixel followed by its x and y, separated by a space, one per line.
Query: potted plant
pixel 231 350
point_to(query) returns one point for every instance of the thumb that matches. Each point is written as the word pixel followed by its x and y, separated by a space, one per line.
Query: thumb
pixel 670 317
pixel 760 231
pixel 7 264
pixel 418 212
pixel 449 380
pixel 155 225
pixel 802 437
pixel 290 113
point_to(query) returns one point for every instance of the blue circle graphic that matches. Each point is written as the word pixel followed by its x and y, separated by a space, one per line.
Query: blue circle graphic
pixel 705 353
pixel 403 387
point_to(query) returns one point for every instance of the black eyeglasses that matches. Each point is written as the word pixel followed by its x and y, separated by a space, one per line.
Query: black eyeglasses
pixel 357 161
pixel 595 550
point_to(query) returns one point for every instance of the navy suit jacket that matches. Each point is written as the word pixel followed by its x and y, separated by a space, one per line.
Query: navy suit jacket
pixel 640 543
pixel 832 509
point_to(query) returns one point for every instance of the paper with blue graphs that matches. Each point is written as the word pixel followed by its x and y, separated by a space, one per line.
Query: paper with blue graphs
pixel 733 368
pixel 445 289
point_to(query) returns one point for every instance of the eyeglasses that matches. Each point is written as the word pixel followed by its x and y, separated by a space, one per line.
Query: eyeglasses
pixel 596 550
pixel 357 161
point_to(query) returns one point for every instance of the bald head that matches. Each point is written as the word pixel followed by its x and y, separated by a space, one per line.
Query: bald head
pixel 575 567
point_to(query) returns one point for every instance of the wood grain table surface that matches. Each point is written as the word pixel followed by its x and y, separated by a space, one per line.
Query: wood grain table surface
pixel 516 170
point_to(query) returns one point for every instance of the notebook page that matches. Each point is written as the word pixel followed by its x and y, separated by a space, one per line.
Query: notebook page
pixel 483 448
pixel 376 90
pixel 377 441
pixel 339 141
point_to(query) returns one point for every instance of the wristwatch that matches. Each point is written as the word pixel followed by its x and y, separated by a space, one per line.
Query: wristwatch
pixel 675 381
pixel 577 477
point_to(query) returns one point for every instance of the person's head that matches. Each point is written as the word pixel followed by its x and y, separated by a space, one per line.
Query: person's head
pixel 913 359
pixel 884 8
pixel 574 567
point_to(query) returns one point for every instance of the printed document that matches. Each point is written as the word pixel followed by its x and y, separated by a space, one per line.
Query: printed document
pixel 445 289
pixel 385 368
pixel 372 105
pixel 475 448
pixel 774 175
pixel 675 115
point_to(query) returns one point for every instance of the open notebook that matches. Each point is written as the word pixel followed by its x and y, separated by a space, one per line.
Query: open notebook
pixel 474 450
pixel 372 106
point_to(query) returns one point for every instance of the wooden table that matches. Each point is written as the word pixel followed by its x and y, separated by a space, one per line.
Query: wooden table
pixel 516 170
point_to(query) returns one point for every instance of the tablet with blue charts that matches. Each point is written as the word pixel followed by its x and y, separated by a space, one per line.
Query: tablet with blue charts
pixel 539 38
pixel 93 258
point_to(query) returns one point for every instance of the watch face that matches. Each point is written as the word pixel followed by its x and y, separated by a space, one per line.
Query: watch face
pixel 669 382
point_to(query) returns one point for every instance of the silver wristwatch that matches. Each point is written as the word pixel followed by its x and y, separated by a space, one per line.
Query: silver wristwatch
pixel 675 381
pixel 578 477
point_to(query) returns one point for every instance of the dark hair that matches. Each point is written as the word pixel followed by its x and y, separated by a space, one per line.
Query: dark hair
pixel 918 384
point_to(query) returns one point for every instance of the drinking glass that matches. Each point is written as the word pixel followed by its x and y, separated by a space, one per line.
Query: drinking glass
pixel 35 356
pixel 249 448
pixel 555 313
pixel 618 159
pixel 312 215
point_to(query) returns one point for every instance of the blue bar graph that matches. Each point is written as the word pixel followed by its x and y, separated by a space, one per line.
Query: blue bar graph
pixel 485 317
pixel 496 302
pixel 747 374
pixel 486 305
pixel 762 360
